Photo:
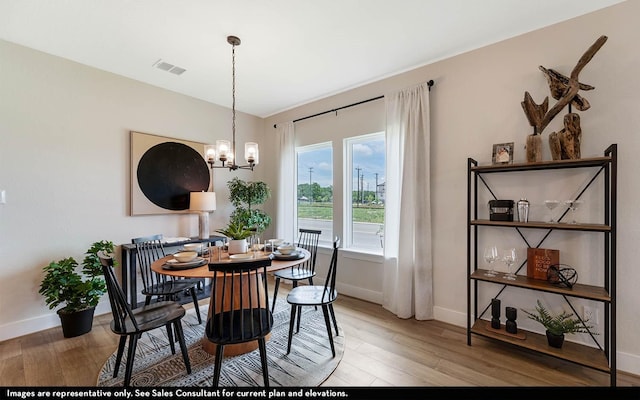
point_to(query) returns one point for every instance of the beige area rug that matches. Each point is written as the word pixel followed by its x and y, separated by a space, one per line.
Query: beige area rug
pixel 309 363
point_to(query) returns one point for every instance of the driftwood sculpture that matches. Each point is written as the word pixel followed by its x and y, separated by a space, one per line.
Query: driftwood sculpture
pixel 564 144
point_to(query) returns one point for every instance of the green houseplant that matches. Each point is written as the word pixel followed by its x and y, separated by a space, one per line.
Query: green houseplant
pixel 245 196
pixel 558 325
pixel 78 291
pixel 238 234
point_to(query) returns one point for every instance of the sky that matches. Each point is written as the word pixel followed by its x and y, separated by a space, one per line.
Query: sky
pixel 368 156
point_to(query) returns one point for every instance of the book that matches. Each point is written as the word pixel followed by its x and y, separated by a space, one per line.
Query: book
pixel 539 260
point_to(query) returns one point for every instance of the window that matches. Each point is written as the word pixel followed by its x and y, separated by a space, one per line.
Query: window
pixel 315 189
pixel 365 182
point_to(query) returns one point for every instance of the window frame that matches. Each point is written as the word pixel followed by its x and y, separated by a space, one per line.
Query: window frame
pixel 347 203
pixel 325 241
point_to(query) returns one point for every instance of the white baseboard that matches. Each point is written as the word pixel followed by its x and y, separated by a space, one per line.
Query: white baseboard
pixel 626 362
pixel 360 293
pixel 40 323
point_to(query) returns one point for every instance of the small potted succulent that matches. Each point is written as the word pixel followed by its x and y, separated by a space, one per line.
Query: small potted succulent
pixel 238 234
pixel 558 325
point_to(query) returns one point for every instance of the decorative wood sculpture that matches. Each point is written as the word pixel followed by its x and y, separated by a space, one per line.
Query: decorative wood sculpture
pixel 564 144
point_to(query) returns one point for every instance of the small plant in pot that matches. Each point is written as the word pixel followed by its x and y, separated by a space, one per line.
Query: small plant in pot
pixel 78 292
pixel 238 234
pixel 558 325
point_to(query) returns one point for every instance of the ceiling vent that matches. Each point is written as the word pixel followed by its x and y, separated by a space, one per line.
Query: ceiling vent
pixel 165 66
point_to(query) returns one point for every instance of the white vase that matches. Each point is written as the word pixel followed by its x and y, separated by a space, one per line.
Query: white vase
pixel 238 246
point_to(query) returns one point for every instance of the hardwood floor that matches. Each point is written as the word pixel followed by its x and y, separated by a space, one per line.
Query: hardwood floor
pixel 381 350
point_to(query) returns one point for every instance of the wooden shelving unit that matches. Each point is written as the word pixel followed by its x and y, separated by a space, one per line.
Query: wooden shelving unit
pixel 601 358
pixel 584 355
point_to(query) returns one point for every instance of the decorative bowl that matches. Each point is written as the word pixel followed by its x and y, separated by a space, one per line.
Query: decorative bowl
pixel 286 249
pixel 193 246
pixel 185 256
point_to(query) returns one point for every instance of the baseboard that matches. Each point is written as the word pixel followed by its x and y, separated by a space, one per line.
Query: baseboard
pixel 629 363
pixel 626 362
pixel 40 323
pixel 359 293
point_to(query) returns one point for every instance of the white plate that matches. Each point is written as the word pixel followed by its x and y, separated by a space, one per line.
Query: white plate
pixel 242 256
pixel 296 255
pixel 173 263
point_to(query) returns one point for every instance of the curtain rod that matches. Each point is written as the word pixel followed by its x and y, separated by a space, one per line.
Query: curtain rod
pixel 429 83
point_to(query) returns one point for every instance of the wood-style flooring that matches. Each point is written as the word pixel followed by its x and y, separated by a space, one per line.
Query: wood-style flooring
pixel 381 350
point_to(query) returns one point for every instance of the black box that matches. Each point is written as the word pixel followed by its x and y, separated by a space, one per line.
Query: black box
pixel 501 210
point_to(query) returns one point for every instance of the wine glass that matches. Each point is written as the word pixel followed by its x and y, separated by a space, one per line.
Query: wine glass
pixel 490 256
pixel 551 205
pixel 509 257
pixel 573 206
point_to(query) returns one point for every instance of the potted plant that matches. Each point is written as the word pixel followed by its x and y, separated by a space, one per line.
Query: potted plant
pixel 558 325
pixel 79 292
pixel 245 196
pixel 238 234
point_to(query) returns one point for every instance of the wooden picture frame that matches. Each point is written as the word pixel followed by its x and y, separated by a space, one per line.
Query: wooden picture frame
pixel 164 171
pixel 502 153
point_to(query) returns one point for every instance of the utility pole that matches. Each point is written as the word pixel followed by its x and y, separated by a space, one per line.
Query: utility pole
pixel 310 188
pixel 358 185
pixel 376 196
pixel 361 188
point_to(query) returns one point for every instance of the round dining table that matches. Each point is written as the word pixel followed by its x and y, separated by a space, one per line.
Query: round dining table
pixel 160 266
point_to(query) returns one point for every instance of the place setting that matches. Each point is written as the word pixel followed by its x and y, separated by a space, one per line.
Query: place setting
pixel 287 251
pixel 184 260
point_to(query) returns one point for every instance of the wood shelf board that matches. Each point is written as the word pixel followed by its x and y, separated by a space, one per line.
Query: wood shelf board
pixel 578 290
pixel 580 163
pixel 543 225
pixel 577 353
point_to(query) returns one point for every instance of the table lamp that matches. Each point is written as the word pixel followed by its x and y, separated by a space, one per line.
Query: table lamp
pixel 204 203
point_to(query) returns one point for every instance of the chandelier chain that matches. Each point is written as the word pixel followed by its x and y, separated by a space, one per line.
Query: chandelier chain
pixel 227 153
pixel 233 102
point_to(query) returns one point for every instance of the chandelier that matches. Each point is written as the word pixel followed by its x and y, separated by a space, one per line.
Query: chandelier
pixel 224 150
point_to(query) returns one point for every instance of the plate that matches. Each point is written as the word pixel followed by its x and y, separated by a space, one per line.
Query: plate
pixel 242 256
pixel 295 255
pixel 174 264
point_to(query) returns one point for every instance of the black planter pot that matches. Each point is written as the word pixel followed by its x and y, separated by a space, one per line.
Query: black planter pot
pixel 76 323
pixel 555 340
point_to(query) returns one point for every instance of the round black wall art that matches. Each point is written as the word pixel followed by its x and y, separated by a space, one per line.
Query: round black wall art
pixel 168 171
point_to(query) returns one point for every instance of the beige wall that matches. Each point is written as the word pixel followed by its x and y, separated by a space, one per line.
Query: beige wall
pixel 64 158
pixel 475 103
pixel 64 163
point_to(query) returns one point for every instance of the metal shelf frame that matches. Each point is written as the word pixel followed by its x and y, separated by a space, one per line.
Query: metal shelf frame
pixel 606 165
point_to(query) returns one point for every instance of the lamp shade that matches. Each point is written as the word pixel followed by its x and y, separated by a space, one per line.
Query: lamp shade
pixel 202 201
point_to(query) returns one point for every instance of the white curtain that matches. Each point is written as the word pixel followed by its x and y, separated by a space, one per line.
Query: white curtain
pixel 286 182
pixel 408 269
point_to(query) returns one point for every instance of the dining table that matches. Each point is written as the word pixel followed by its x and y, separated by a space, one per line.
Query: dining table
pixel 165 266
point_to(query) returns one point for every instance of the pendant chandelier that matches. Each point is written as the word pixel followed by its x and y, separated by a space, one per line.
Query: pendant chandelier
pixel 224 150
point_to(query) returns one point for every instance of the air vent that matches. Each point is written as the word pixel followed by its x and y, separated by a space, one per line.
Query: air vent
pixel 165 66
pixel 177 70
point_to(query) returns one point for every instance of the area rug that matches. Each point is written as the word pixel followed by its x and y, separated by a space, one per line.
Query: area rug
pixel 309 363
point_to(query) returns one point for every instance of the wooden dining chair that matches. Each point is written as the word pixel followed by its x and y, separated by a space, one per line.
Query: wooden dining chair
pixel 317 295
pixel 308 240
pixel 148 250
pixel 132 323
pixel 239 309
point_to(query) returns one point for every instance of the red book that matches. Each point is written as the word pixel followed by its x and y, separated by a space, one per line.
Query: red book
pixel 539 260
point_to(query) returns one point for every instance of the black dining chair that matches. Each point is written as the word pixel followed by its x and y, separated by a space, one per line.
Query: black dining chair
pixel 317 295
pixel 308 240
pixel 132 323
pixel 239 309
pixel 148 250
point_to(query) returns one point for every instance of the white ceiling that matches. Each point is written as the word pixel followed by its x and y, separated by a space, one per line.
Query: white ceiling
pixel 292 51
